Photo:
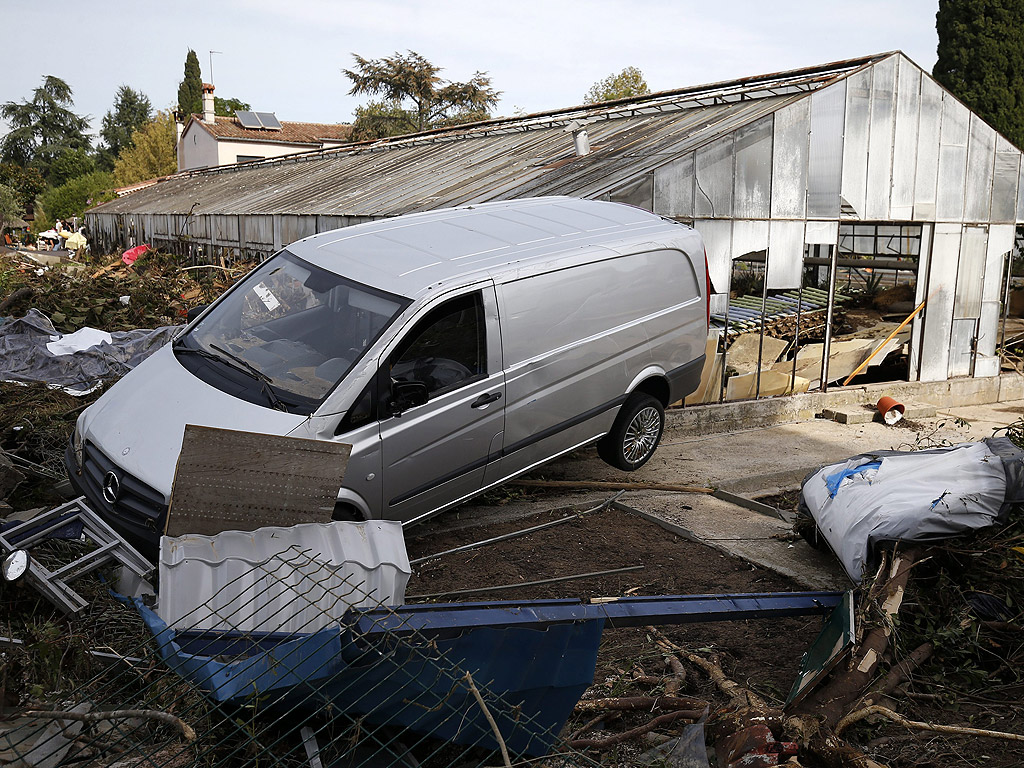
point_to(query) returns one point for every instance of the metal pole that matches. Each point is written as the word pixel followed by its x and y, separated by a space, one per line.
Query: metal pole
pixel 1006 300
pixel 725 336
pixel 760 339
pixel 796 339
pixel 827 347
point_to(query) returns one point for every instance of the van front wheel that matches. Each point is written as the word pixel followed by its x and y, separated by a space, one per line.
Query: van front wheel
pixel 635 434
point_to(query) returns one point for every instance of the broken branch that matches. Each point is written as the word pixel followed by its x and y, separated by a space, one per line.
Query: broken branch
pixel 640 730
pixel 119 714
pixel 628 703
pixel 609 486
pixel 740 696
pixel 958 730
pixel 468 678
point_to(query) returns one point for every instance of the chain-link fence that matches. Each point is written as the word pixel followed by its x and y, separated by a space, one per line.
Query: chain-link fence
pixel 368 692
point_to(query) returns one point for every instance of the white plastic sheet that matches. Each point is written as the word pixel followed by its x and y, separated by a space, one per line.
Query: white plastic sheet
pixel 911 496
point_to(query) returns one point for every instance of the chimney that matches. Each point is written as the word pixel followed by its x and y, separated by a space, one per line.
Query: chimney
pixel 208 112
pixel 580 139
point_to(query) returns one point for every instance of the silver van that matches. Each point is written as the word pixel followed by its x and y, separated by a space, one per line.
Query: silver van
pixel 453 350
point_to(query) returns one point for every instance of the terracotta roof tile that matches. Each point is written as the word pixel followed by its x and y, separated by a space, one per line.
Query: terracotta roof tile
pixel 290 133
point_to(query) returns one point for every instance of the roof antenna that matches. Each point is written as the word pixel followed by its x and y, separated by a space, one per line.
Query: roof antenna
pixel 211 65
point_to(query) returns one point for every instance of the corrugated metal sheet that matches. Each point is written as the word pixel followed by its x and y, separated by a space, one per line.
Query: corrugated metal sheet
pixel 281 579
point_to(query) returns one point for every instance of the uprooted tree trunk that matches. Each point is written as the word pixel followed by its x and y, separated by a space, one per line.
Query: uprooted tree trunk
pixel 749 723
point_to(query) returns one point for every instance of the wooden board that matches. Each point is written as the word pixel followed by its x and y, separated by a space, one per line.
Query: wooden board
pixel 239 481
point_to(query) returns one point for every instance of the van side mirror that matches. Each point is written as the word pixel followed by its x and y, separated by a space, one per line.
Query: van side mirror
pixel 195 312
pixel 406 395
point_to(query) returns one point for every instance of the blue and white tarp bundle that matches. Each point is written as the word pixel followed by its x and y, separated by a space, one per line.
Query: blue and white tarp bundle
pixel 32 350
pixel 912 496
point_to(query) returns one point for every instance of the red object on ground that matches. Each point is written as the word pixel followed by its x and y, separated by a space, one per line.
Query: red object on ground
pixel 130 256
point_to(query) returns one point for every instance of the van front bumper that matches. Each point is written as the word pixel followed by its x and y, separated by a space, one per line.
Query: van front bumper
pixel 137 512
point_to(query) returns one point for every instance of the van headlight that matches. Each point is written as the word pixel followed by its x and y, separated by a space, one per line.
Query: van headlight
pixel 76 446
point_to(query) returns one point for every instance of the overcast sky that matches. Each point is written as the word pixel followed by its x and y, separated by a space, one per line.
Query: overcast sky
pixel 286 56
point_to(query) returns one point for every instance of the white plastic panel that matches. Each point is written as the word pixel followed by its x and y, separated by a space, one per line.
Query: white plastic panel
pixel 1020 195
pixel 713 192
pixel 673 188
pixel 749 237
pixel 928 129
pixel 1004 181
pixel 785 254
pixel 825 151
pixel 257 580
pixel 904 156
pixel 718 245
pixel 752 183
pixel 880 139
pixel 971 273
pixel 1000 242
pixel 789 161
pixel 985 367
pixel 939 311
pixel 952 160
pixel 821 232
pixel 855 146
pixel 961 342
pixel 980 161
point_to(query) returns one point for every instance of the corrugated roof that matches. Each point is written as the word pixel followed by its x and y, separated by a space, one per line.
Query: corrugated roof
pixel 499 159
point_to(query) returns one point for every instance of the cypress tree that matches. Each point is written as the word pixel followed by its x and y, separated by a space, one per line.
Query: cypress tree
pixel 190 91
pixel 981 60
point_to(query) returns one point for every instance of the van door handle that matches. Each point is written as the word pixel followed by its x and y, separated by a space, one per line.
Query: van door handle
pixel 485 399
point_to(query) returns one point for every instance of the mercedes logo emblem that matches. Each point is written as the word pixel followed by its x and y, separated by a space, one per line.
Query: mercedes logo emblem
pixel 111 487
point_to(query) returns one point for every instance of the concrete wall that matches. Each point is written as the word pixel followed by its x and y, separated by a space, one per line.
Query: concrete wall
pixel 729 417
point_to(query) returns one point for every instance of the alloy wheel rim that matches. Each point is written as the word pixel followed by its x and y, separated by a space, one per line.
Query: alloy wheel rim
pixel 641 435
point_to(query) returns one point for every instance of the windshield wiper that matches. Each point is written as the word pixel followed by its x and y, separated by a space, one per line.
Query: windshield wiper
pixel 246 367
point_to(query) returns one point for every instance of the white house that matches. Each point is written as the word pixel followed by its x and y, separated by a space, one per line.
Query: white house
pixel 206 141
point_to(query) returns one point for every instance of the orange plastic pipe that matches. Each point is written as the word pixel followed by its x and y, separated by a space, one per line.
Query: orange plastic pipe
pixel 888 338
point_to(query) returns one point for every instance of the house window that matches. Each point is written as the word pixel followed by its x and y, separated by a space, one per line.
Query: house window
pixel 247 158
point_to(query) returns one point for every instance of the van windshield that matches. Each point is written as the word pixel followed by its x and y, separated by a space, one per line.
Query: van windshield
pixel 287 334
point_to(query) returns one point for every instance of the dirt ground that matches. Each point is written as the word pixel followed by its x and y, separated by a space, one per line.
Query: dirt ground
pixel 763 655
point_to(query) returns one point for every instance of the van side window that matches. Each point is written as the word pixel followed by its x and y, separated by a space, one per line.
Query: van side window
pixel 447 348
pixel 361 412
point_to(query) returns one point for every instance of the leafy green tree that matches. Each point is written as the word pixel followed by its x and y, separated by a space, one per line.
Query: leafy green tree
pixel 41 128
pixel 27 183
pixel 413 97
pixel 190 90
pixel 152 153
pixel 228 107
pixel 76 196
pixel 981 60
pixel 628 83
pixel 130 112
pixel 10 207
pixel 70 164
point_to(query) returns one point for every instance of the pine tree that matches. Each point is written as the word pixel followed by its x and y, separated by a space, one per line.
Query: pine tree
pixel 414 97
pixel 981 60
pixel 190 91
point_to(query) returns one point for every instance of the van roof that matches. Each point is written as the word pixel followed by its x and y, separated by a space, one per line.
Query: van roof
pixel 410 254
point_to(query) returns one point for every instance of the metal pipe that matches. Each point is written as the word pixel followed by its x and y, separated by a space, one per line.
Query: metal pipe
pixel 827 346
pixel 500 587
pixel 796 339
pixel 760 338
pixel 1006 300
pixel 725 336
pixel 516 534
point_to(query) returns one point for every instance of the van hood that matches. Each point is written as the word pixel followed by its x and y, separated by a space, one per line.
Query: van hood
pixel 139 423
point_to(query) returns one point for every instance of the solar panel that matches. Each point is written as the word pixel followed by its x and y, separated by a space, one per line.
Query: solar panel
pixel 269 120
pixel 248 119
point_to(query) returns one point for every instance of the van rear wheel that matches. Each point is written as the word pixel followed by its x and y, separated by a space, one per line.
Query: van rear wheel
pixel 635 434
